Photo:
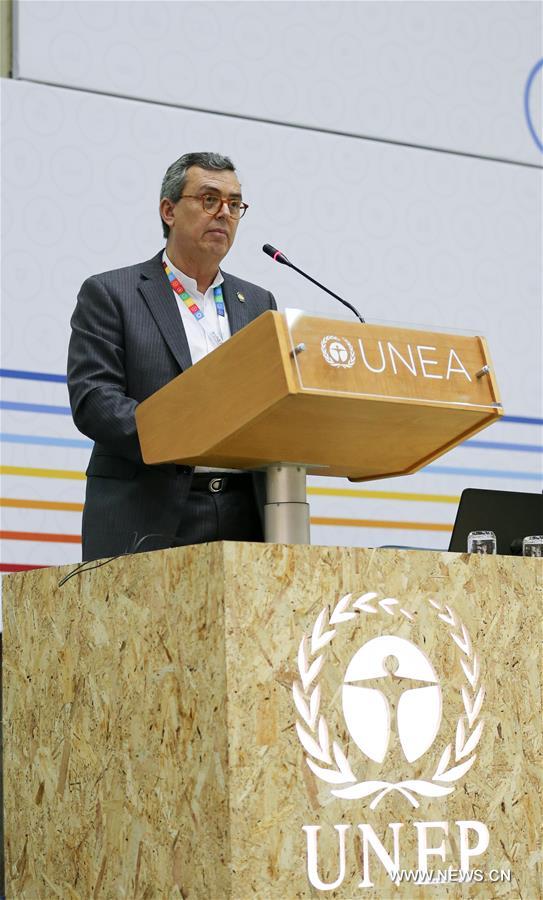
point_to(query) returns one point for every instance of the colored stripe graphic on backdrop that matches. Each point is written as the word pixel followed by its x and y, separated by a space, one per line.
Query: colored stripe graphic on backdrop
pixel 312 491
pixel 82 443
pixel 16 503
pixel 43 441
pixel 40 536
pixel 85 443
pixel 381 523
pixel 33 376
pixel 62 379
pixel 428 470
pixel 30 472
pixel 35 408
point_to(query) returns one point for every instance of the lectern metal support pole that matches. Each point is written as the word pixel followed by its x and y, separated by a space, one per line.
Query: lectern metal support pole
pixel 287 510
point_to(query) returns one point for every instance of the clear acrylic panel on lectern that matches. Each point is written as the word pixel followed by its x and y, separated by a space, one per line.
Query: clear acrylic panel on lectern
pixel 340 355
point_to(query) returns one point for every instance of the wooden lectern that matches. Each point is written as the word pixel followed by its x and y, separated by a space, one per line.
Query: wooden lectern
pixel 399 399
pixel 306 394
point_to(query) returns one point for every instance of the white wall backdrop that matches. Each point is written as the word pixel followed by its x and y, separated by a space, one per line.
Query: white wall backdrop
pixel 379 212
pixel 446 74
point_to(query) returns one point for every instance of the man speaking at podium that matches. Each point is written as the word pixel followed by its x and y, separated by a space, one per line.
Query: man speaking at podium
pixel 136 328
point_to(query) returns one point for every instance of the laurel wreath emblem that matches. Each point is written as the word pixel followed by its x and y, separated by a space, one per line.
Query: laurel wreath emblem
pixel 314 733
pixel 330 359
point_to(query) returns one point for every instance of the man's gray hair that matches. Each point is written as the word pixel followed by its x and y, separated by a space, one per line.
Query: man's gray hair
pixel 176 175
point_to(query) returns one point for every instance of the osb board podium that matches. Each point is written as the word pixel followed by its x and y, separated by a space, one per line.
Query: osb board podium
pixel 153 747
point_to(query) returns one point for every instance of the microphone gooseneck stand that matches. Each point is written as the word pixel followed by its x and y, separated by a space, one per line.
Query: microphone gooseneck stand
pixel 286 513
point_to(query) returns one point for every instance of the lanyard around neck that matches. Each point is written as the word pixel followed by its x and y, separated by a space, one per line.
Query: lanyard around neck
pixel 193 307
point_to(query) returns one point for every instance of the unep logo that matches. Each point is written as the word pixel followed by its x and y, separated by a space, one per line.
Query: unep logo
pixel 391 703
pixel 338 352
pixel 391 683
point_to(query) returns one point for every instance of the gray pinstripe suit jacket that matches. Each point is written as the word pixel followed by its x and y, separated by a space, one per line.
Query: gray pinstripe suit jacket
pixel 127 342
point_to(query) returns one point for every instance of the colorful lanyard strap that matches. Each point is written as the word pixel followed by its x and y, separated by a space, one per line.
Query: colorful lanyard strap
pixel 189 301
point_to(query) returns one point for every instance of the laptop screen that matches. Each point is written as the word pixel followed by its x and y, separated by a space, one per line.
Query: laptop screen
pixel 511 515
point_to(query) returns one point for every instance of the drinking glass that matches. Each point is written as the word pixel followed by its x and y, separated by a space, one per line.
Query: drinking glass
pixel 533 545
pixel 482 542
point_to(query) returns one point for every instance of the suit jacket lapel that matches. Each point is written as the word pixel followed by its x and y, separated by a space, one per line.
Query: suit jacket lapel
pixel 159 297
pixel 238 311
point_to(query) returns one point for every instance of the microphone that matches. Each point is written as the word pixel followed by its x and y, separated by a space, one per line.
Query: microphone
pixel 280 257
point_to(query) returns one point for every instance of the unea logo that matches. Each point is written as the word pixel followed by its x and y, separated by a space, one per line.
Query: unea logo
pixel 338 352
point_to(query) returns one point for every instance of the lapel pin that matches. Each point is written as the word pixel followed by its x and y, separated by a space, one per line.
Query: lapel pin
pixel 240 297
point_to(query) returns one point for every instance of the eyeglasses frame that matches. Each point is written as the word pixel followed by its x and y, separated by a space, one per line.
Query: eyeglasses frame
pixel 243 206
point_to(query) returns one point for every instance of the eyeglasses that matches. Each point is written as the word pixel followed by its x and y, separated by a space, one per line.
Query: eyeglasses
pixel 211 204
